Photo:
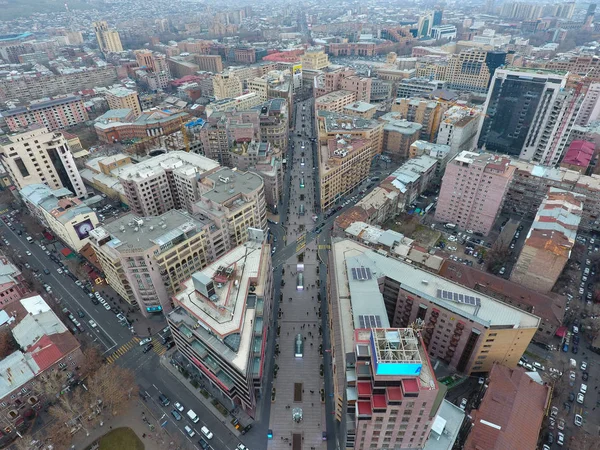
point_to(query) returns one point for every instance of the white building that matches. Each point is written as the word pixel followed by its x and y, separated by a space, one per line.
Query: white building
pixel 458 128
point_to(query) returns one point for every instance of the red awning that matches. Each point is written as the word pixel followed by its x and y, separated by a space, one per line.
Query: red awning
pixel 66 252
pixel 562 331
pixel 48 236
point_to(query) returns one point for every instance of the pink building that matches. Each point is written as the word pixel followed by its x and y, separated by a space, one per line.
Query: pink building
pixel 12 287
pixel 54 114
pixel 473 190
pixel 579 156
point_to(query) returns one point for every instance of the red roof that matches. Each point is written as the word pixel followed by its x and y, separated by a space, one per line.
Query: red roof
pixel 394 394
pixel 580 153
pixel 410 385
pixel 66 251
pixel 364 407
pixel 379 401
pixel 364 388
pixel 48 350
pixel 511 413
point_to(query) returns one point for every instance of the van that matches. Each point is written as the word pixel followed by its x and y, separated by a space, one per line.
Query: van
pixel 193 416
pixel 206 432
pixel 29 239
pixel 164 400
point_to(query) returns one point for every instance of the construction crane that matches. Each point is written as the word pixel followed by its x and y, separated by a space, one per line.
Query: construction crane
pixel 184 126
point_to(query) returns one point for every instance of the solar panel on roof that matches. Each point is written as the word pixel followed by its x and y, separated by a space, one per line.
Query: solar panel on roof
pixel 368 273
pixel 361 320
pixel 353 273
pixel 378 320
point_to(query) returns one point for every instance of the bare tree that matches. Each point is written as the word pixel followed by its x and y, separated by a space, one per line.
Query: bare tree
pixel 93 362
pixel 7 343
pixel 113 387
pixel 58 435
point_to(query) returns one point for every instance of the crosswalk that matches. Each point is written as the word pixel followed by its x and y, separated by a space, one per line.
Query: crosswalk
pixel 158 348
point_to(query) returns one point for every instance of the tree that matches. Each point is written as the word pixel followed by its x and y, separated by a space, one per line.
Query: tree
pixel 58 435
pixel 113 387
pixel 92 363
pixel 7 343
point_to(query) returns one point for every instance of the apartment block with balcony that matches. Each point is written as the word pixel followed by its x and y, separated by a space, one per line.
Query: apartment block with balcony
pixel 54 114
pixel 121 98
pixel 419 110
pixel 108 39
pixel 330 125
pixel 473 190
pixel 335 101
pixel 221 323
pixel 227 85
pixel 459 127
pixel 164 182
pixel 39 156
pixel 274 122
pixel 146 259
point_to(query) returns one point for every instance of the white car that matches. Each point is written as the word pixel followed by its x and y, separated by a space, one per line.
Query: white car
pixel 145 341
pixel 452 238
pixel 470 231
pixel 463 404
pixel 179 407
pixel 578 420
pixel 560 439
pixel 92 324
pixel 107 306
pixel 583 365
pixel 502 270
pixel 572 375
pixel 206 432
pixel 580 398
pixel 583 388
pixel 28 253
pixel 59 270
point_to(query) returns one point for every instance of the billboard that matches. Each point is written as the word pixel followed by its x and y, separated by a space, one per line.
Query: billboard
pixel 297 75
pixel 83 228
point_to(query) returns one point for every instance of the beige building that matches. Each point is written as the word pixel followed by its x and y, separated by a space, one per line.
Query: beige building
pixel 426 112
pixel 164 182
pixel 335 101
pixel 226 85
pixel 209 63
pixel 39 156
pixel 108 40
pixel 360 109
pixel 550 240
pixel 315 58
pixel 123 98
pixel 459 127
pixel 398 136
pixel 241 103
pixel 260 87
pixel 330 125
pixel 67 217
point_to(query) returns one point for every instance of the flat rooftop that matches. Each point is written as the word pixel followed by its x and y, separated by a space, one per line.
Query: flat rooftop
pixel 227 318
pixel 167 161
pixel 333 96
pixel 228 183
pixel 360 107
pixel 133 234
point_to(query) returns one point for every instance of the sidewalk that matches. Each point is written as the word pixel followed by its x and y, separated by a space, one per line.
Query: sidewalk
pixel 164 360
pixel 132 418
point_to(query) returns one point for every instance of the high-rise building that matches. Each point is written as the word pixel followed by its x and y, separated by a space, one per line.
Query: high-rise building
pixel 371 294
pixel 231 300
pixel 459 127
pixel 472 69
pixel 529 114
pixel 398 136
pixel 54 113
pixel 209 63
pixel 335 101
pixel 108 39
pixel 123 98
pixel 332 126
pixel 156 68
pixel 473 190
pixel 39 156
pixel 590 106
pixel 315 58
pixel 426 112
pixel 274 122
pixel 164 182
pixel 419 87
pixel 227 85
pixel 550 240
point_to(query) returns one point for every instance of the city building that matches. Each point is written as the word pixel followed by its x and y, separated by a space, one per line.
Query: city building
pixel 102 174
pixel 584 65
pixel 274 122
pixel 550 240
pixel 343 79
pixel 579 156
pixel 511 413
pixel 108 39
pixel 428 113
pixel 46 345
pixel 67 217
pixel 360 109
pixel 154 69
pixel 39 156
pixel 12 284
pixel 146 260
pixel 446 427
pixel 410 180
pixel 473 190
pixel 315 58
pixel 472 69
pixel 117 125
pixel 54 114
pixel 458 128
pixel 440 152
pixel 123 98
pixel 419 87
pixel 331 125
pixel 274 84
pixel 469 331
pixel 209 63
pixel 516 99
pixel 398 136
pixel 227 85
pixel 375 208
pixel 335 101
pixel 343 164
pixel 381 90
pixel 221 323
pixel 181 67
pixel 164 182
pixel 443 32
pixel 243 102
pixel 550 307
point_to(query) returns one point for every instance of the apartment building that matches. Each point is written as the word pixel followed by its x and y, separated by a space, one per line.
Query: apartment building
pixel 428 113
pixel 209 63
pixel 108 39
pixel 121 98
pixel 459 127
pixel 221 323
pixel 371 292
pixel 579 156
pixel 32 86
pixel 381 90
pixel 550 240
pixel 584 65
pixel 227 85
pixel 67 217
pixel 315 58
pixel 154 69
pixel 440 152
pixel 343 163
pixel 182 67
pixel 265 160
pixel 330 125
pixel 410 180
pixel 529 114
pixel 343 79
pixel 54 114
pixel 234 201
pixel 39 156
pixel 472 69
pixel 530 185
pixel 419 87
pixel 273 84
pixel 398 136
pixel 473 190
pixel 590 106
pixel 360 109
pixel 165 182
pixel 146 259
pixel 274 122
pixel 13 286
pixel 241 103
pixel 335 101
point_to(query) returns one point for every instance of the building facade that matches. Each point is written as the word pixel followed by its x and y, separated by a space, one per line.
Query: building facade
pixel 226 85
pixel 54 114
pixel 428 113
pixel 123 98
pixel 458 128
pixel 108 39
pixel 335 101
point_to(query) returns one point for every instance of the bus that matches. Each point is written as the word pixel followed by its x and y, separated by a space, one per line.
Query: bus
pixel 299 346
pixel 302 183
pixel 300 282
pixel 301 209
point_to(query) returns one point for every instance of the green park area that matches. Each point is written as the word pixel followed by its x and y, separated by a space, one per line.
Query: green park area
pixel 123 438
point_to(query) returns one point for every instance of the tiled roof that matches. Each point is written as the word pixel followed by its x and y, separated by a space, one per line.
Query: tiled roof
pixel 511 413
pixel 45 353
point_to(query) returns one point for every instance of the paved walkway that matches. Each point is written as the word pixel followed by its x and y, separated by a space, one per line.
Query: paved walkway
pixel 132 418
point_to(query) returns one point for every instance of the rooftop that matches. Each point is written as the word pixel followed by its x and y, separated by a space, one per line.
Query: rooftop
pixel 229 183
pixel 403 127
pixel 580 153
pixel 41 104
pixel 445 428
pixel 121 92
pixel 411 171
pixel 338 123
pixel 333 96
pixel 360 107
pixel 171 161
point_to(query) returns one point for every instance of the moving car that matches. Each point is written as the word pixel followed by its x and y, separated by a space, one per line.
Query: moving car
pixel 463 404
pixel 145 341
